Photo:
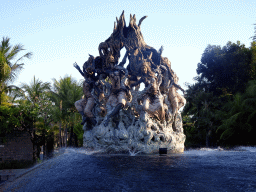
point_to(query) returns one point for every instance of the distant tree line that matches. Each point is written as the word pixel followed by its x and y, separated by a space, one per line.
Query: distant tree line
pixel 221 104
pixel 43 109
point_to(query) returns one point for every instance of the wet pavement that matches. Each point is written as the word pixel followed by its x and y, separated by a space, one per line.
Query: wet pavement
pixel 194 170
pixel 9 175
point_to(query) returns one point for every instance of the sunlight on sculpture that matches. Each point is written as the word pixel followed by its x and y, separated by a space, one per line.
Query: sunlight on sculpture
pixel 117 116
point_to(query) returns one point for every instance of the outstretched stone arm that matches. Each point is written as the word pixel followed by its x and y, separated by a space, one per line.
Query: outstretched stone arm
pixel 179 87
pixel 171 83
pixel 78 68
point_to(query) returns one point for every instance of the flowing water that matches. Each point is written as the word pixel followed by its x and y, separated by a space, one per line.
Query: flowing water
pixel 194 170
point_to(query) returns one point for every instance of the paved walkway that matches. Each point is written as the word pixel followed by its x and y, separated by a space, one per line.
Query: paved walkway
pixel 9 175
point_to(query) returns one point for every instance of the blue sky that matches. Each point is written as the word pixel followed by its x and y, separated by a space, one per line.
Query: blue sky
pixel 61 32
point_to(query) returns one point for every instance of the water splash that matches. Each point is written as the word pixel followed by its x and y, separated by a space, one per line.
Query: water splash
pixel 203 151
pixel 243 148
pixel 76 150
pixel 133 151
pixel 212 149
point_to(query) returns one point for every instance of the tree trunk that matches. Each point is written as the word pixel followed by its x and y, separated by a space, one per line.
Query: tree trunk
pixel 63 138
pixel 71 138
pixel 75 140
pixel 50 144
pixel 44 151
pixel 66 135
pixel 60 140
pixel 207 139
pixel 1 97
pixel 60 125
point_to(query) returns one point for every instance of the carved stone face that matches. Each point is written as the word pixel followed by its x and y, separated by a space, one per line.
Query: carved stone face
pixel 175 79
pixel 90 71
pixel 144 70
pixel 111 59
pixel 110 51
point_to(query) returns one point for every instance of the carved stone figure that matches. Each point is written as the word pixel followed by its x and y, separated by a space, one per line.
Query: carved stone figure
pixel 177 100
pixel 153 101
pixel 86 104
pixel 128 118
pixel 119 93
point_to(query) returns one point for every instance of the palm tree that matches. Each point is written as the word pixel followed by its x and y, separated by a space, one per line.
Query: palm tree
pixel 9 69
pixel 66 92
pixel 37 95
pixel 239 125
pixel 35 89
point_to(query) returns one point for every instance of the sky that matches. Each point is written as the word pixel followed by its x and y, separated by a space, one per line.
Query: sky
pixel 61 32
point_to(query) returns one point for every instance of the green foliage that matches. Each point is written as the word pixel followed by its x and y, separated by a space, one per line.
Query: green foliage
pixel 35 90
pixel 239 125
pixel 201 112
pixel 221 104
pixel 38 161
pixel 37 108
pixel 192 136
pixel 66 91
pixel 38 97
pixel 253 60
pixel 15 117
pixel 9 69
pixel 78 130
pixel 226 69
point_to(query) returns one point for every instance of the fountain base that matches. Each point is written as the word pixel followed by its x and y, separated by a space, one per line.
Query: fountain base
pixel 131 135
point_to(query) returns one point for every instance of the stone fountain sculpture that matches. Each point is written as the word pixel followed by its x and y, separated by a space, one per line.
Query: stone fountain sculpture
pixel 117 115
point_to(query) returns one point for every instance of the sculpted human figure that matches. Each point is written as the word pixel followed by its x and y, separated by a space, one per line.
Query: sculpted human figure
pixel 101 92
pixel 170 85
pixel 86 104
pixel 119 92
pixel 177 100
pixel 153 100
pixel 143 73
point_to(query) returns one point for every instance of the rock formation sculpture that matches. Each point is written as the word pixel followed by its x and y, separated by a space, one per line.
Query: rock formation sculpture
pixel 117 115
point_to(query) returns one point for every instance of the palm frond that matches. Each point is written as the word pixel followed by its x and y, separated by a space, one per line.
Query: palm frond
pixel 27 55
pixel 5 44
pixel 15 50
pixel 8 69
